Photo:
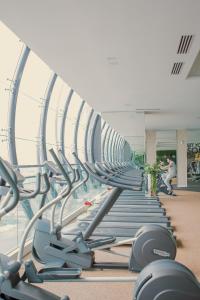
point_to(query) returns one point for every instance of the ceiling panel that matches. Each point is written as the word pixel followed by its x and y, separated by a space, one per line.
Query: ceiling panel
pixel 118 55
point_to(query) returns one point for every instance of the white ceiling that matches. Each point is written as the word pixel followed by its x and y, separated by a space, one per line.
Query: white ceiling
pixel 117 54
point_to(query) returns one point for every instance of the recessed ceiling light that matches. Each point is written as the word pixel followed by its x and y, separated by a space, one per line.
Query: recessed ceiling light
pixel 112 60
pixel 113 63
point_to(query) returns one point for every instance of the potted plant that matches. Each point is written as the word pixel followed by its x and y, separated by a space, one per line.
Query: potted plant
pixel 152 170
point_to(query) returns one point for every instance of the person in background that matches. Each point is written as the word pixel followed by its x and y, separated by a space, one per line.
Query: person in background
pixel 171 172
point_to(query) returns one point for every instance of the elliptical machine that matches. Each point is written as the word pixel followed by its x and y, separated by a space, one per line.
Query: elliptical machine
pixel 50 247
pixel 12 285
pixel 161 186
pixel 160 280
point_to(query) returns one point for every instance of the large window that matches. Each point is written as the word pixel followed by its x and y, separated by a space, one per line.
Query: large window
pixel 10 51
pixel 24 81
pixel 55 114
pixel 71 120
pixel 83 122
pixel 30 101
pixel 63 99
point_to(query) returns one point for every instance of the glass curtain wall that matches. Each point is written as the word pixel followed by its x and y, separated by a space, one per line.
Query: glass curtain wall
pixel 71 120
pixel 82 131
pixel 29 103
pixel 29 93
pixel 10 51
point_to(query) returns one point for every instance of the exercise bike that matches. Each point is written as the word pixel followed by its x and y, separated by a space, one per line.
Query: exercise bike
pixel 161 186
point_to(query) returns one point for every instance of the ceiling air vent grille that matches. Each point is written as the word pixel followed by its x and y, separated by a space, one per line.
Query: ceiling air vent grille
pixel 184 44
pixel 176 69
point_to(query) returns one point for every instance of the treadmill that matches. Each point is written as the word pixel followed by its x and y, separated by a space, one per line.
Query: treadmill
pixel 97 227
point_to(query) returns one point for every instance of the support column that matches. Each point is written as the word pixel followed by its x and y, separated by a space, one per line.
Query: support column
pixel 61 140
pixel 13 105
pixel 42 149
pixel 108 144
pixel 96 140
pixel 87 133
pixel 150 146
pixel 121 149
pixel 103 146
pixel 75 145
pixel 181 140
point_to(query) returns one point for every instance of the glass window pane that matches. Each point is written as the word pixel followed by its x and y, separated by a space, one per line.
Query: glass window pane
pixel 82 130
pixel 32 89
pixel 64 93
pixel 70 125
pixel 55 111
pixel 10 51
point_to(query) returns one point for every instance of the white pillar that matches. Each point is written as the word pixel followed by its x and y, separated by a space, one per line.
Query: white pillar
pixel 150 146
pixel 181 140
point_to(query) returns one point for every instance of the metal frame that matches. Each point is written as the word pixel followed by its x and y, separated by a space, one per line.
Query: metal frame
pixel 111 145
pixel 106 142
pixel 117 147
pixel 103 145
pixel 103 140
pixel 77 127
pixel 114 146
pixel 109 149
pixel 89 139
pixel 103 125
pixel 61 141
pixel 86 134
pixel 13 103
pixel 42 155
pixel 97 118
pixel 127 149
pixel 121 149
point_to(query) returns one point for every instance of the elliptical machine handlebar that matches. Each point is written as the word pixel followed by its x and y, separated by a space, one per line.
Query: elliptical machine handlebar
pixel 81 164
pixel 78 176
pixel 11 204
pixel 25 195
pixel 47 185
pixel 68 164
pixel 71 189
pixel 79 184
pixel 56 159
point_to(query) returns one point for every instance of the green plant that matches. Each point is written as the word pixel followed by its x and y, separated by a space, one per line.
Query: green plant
pixel 153 170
